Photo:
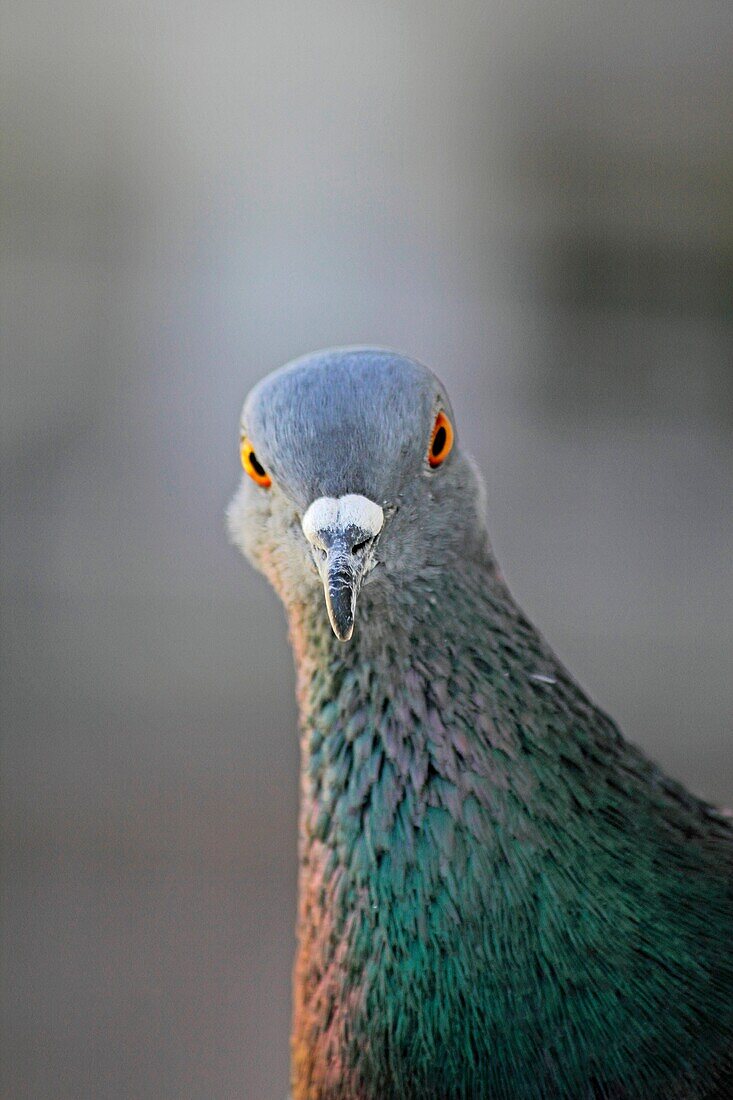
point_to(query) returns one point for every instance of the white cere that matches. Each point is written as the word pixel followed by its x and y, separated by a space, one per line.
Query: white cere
pixel 351 510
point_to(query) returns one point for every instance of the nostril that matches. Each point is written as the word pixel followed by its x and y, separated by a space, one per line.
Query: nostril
pixel 360 546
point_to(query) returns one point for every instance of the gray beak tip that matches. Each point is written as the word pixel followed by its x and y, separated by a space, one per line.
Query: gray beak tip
pixel 341 592
pixel 344 636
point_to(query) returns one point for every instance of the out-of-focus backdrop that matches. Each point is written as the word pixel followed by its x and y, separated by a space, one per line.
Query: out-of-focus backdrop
pixel 534 199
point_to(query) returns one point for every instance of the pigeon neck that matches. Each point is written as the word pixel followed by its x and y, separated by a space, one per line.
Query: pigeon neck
pixel 463 805
pixel 402 817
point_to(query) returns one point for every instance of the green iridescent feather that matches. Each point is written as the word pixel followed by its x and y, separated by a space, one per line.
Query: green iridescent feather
pixel 504 898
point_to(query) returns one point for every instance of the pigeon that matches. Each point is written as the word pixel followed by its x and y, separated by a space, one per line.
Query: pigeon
pixel 499 896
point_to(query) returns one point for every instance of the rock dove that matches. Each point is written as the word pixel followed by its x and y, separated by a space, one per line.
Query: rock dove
pixel 499 896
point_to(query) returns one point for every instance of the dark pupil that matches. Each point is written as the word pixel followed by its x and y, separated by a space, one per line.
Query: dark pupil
pixel 258 469
pixel 439 441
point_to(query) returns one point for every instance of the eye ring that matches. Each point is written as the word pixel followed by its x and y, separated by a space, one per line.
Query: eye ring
pixel 252 465
pixel 441 440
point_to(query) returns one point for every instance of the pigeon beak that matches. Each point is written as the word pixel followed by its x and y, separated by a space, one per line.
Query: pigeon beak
pixel 342 575
pixel 342 532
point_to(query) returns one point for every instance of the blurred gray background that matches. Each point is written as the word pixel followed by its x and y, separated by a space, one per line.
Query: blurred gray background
pixel 534 199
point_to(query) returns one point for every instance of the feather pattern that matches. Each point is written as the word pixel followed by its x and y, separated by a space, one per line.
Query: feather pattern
pixel 500 897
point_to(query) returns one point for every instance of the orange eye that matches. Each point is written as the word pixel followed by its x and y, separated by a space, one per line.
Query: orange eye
pixel 441 441
pixel 252 464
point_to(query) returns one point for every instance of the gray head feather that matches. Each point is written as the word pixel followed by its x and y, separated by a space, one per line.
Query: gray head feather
pixel 355 421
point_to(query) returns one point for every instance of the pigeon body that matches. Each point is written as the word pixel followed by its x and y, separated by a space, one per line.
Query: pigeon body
pixel 500 897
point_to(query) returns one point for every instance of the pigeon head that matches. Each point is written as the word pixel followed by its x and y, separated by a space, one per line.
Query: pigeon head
pixel 354 477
